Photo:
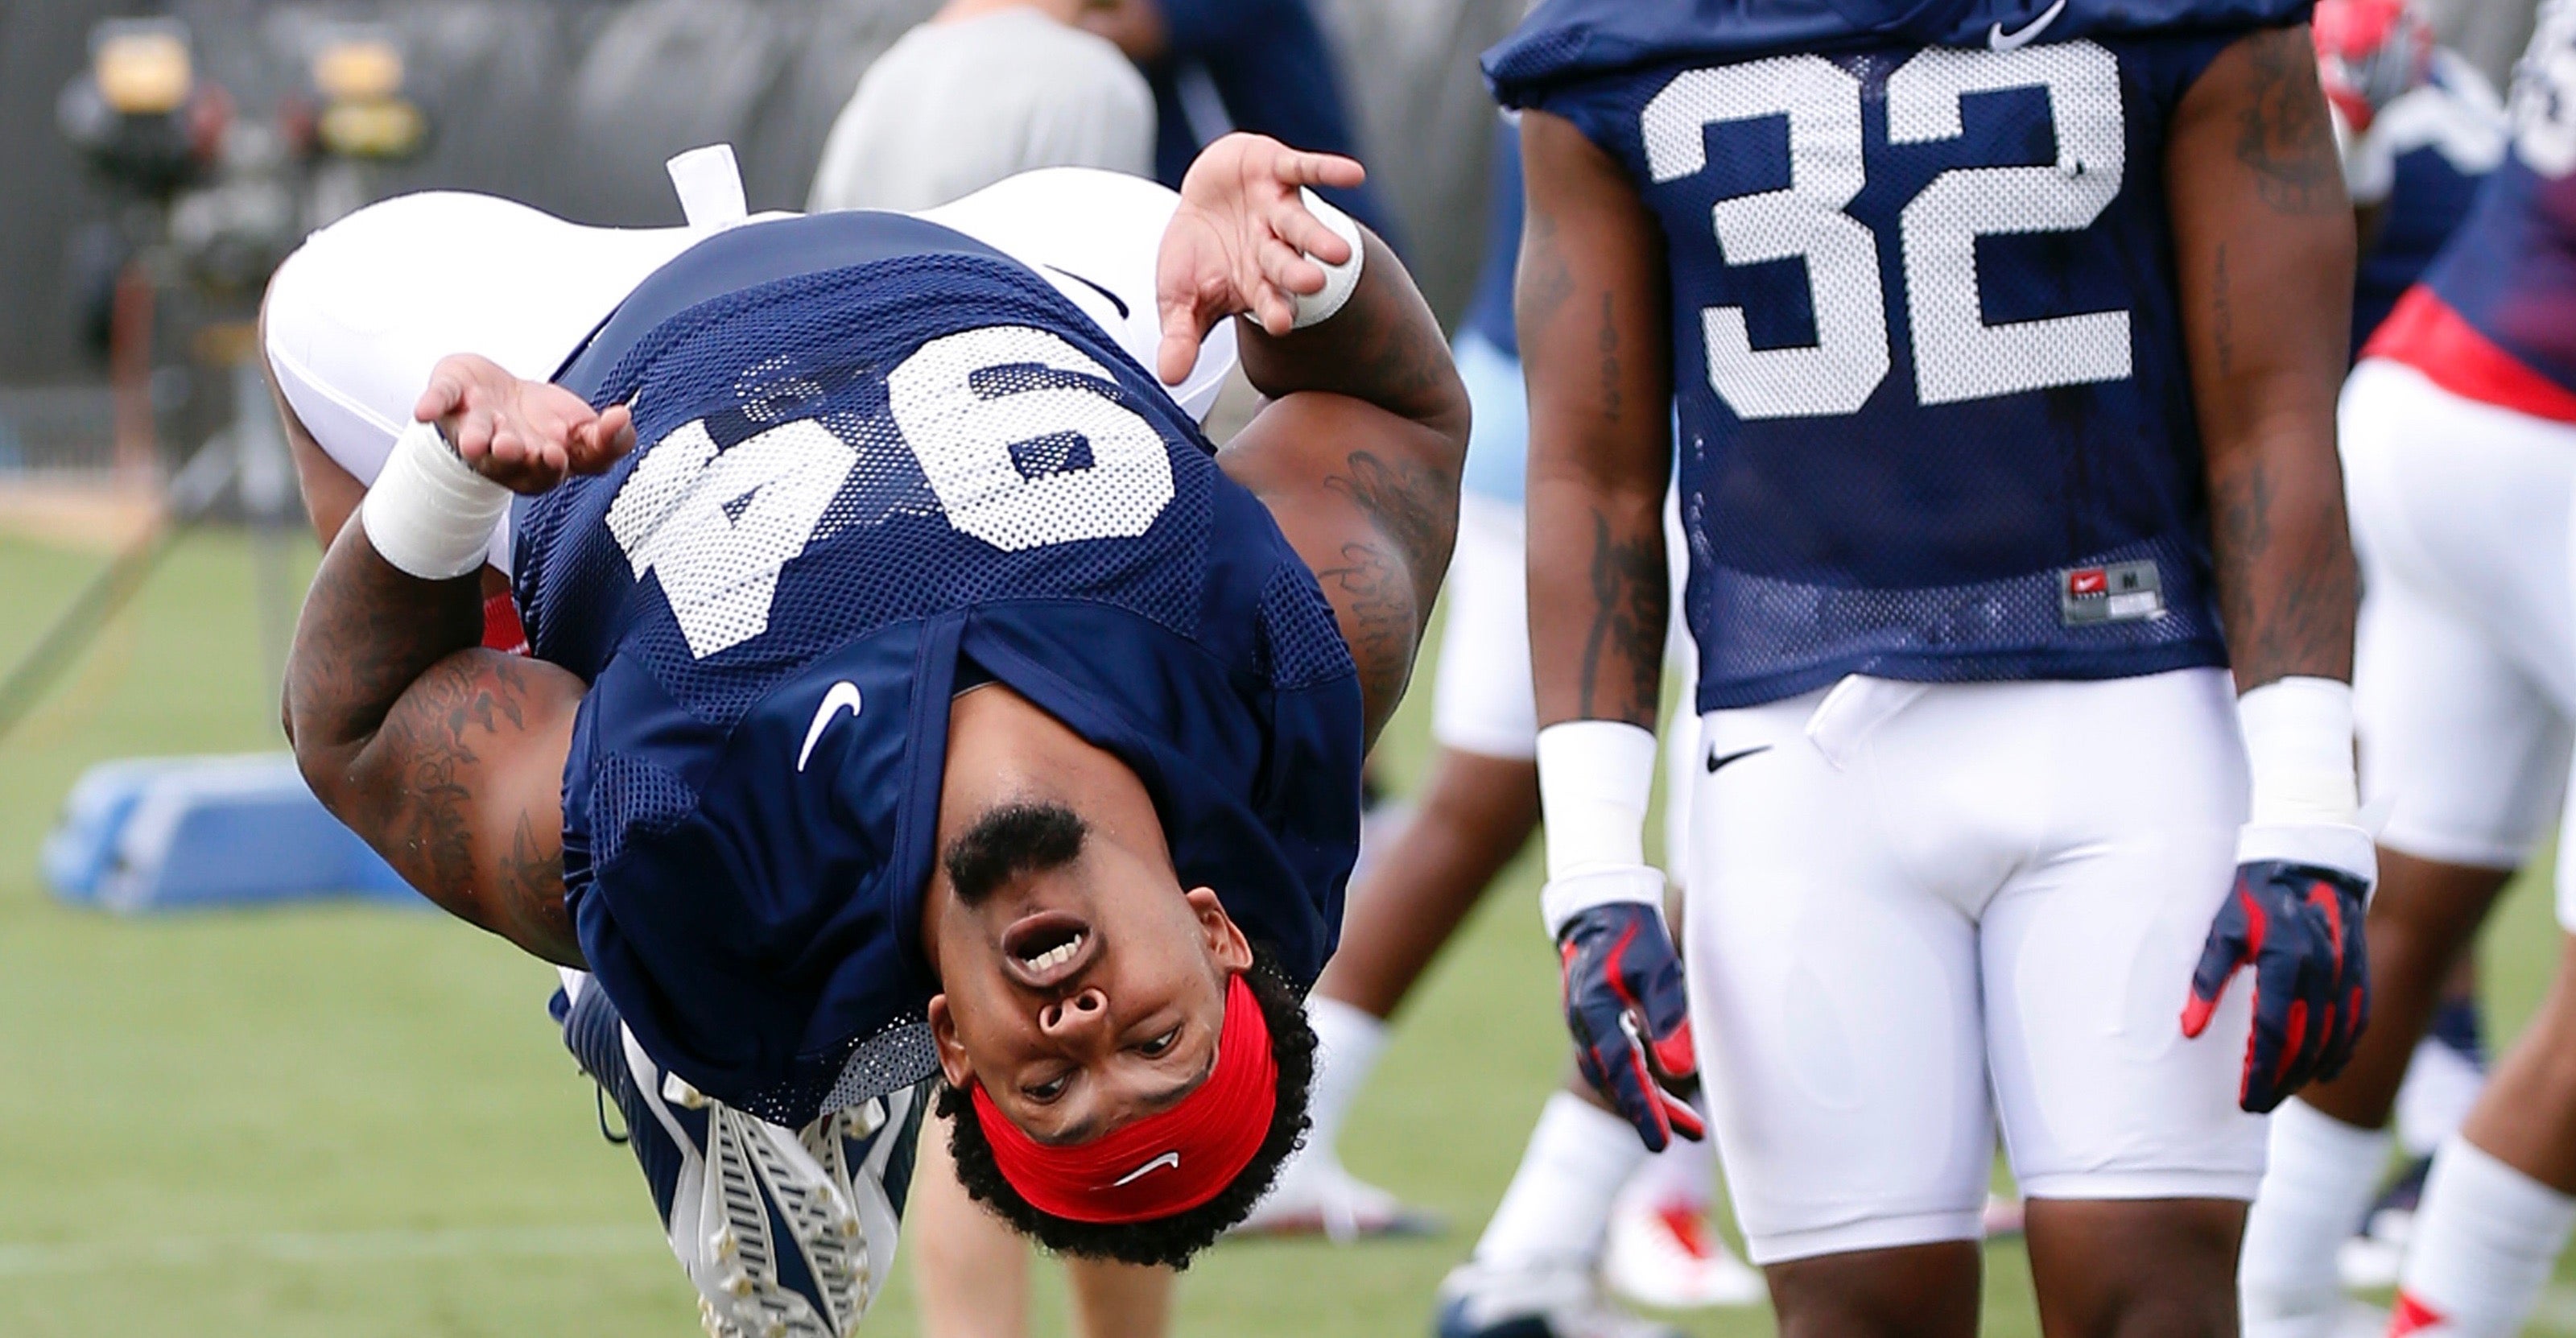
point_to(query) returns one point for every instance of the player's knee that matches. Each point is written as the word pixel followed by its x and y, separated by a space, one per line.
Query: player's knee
pixel 1169 1241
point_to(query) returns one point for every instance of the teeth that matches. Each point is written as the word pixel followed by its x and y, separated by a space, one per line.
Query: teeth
pixel 1060 953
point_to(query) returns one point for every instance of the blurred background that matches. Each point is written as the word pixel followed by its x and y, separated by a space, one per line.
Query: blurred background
pixel 350 1116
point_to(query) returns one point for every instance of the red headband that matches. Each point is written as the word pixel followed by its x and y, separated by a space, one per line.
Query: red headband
pixel 1162 1164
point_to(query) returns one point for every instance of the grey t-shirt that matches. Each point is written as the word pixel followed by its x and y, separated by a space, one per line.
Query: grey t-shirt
pixel 953 107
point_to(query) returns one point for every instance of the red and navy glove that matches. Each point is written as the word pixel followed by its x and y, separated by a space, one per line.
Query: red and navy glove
pixel 2299 926
pixel 1630 1016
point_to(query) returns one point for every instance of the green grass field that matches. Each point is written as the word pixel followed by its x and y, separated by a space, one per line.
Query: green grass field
pixel 352 1122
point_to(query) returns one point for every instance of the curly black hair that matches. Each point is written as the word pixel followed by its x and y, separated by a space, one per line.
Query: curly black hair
pixel 1162 1240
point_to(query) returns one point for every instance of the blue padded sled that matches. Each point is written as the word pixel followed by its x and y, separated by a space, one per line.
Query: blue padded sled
pixel 184 833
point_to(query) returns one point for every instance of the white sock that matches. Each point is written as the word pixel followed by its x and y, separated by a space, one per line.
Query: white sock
pixel 1683 1174
pixel 2441 1084
pixel 1558 1205
pixel 2482 1247
pixel 2318 1183
pixel 1347 1043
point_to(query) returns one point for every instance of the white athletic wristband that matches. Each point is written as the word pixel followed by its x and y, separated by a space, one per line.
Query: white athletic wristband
pixel 1339 280
pixel 2306 803
pixel 1594 777
pixel 429 513
pixel 1564 898
pixel 2298 746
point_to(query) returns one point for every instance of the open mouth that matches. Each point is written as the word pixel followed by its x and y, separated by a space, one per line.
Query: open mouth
pixel 1047 947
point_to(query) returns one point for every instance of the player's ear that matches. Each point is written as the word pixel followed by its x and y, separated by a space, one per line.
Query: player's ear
pixel 1225 942
pixel 953 1064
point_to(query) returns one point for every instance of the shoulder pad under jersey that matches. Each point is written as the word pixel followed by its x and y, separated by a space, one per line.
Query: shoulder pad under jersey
pixel 1564 41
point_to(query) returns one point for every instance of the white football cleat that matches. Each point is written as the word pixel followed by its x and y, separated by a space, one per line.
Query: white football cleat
pixel 1534 1302
pixel 1316 1197
pixel 786 1233
pixel 1667 1257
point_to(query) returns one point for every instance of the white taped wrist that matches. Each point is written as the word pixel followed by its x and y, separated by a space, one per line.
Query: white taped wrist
pixel 1594 777
pixel 429 513
pixel 1339 280
pixel 2298 748
pixel 1564 898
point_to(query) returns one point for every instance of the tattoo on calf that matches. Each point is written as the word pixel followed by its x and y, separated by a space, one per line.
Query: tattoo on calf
pixel 2284 135
pixel 1623 653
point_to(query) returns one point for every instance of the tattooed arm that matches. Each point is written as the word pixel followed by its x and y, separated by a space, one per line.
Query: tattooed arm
pixel 446 757
pixel 2263 240
pixel 1597 355
pixel 1358 452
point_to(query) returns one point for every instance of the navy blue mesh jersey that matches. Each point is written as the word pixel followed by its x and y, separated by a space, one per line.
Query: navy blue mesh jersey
pixel 1935 411
pixel 2439 142
pixel 2510 269
pixel 876 455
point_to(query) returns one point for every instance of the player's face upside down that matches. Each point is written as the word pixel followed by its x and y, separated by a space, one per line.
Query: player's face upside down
pixel 1085 991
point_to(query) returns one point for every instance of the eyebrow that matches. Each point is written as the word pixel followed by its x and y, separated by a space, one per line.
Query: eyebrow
pixel 1084 1130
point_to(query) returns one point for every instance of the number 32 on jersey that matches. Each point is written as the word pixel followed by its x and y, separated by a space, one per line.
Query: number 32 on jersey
pixel 1957 355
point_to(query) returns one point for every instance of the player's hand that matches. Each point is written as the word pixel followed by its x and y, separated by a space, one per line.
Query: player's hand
pixel 2299 926
pixel 1625 1003
pixel 1239 242
pixel 525 435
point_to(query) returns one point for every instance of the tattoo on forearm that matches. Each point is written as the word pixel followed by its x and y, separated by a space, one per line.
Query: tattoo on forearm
pixel 2284 134
pixel 1546 279
pixel 388 688
pixel 1623 652
pixel 1375 599
pixel 1385 348
pixel 2286 581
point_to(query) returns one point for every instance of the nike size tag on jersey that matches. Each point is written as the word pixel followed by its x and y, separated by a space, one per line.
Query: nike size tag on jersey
pixel 2118 592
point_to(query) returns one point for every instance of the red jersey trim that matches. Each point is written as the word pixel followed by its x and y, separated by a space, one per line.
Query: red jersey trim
pixel 2425 334
pixel 501 628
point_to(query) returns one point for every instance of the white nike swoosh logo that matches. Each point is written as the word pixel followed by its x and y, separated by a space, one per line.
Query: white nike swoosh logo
pixel 843 694
pixel 2000 40
pixel 1168 1159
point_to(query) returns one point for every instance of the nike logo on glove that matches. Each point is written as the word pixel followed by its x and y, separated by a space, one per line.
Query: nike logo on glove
pixel 1164 1162
pixel 2000 40
pixel 844 694
pixel 1715 761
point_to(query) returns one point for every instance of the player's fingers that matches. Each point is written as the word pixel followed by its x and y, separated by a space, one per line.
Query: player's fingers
pixel 1287 270
pixel 1307 233
pixel 469 429
pixel 445 392
pixel 2352 1017
pixel 1300 168
pixel 615 432
pixel 1271 307
pixel 2220 957
pixel 1184 324
pixel 1682 1118
pixel 1675 1056
pixel 2262 1059
pixel 1642 1102
pixel 2203 1004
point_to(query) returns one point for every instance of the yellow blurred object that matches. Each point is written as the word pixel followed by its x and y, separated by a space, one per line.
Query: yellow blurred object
pixel 376 128
pixel 146 73
pixel 365 69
